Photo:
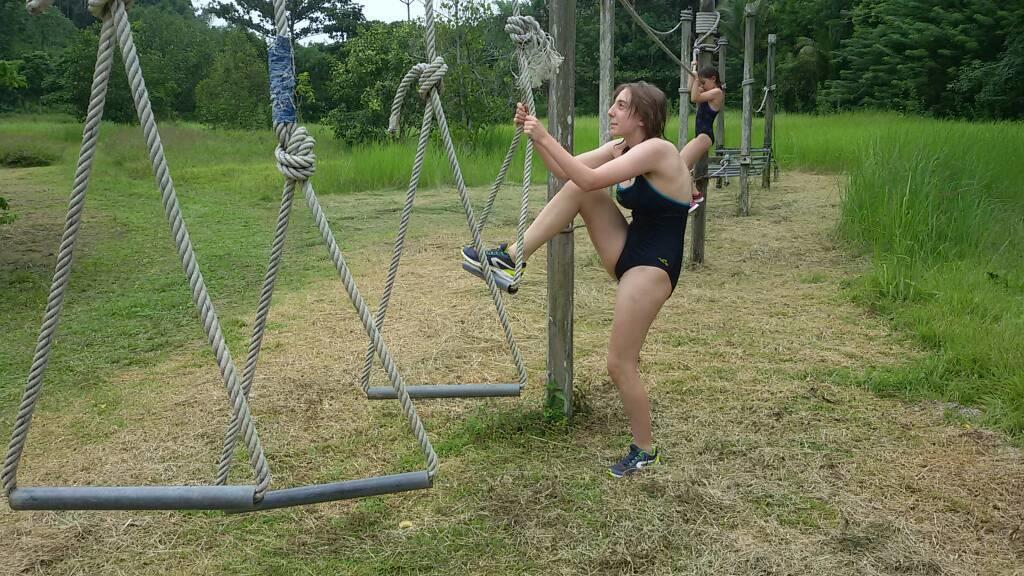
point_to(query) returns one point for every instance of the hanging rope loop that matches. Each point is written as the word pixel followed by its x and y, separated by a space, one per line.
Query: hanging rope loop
pixel 429 76
pixel 297 161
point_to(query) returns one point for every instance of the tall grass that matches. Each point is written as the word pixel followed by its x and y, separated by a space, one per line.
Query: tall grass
pixel 940 207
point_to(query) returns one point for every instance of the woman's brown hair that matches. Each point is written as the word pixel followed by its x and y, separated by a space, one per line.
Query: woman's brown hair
pixel 649 104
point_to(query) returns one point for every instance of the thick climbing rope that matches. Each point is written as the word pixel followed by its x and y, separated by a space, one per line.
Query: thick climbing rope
pixel 114 16
pixel 295 159
pixel 667 32
pixel 706 25
pixel 537 61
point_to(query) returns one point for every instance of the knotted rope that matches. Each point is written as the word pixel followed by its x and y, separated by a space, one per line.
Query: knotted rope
pixel 295 159
pixel 706 25
pixel 429 76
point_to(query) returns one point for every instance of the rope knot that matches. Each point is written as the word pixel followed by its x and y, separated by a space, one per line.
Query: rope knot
pixel 297 161
pixel 37 7
pixel 536 46
pixel 429 76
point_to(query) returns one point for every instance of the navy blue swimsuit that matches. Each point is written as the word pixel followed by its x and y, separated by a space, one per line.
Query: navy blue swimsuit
pixel 705 123
pixel 655 236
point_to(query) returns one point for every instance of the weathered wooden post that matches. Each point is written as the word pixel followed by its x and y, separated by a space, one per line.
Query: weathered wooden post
pixel 723 44
pixel 705 24
pixel 561 94
pixel 686 28
pixel 607 54
pixel 748 80
pixel 769 112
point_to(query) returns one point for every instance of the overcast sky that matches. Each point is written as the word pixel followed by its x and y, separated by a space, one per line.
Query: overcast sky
pixel 390 10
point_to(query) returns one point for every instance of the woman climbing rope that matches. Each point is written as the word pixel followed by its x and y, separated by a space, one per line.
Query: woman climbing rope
pixel 706 92
pixel 645 255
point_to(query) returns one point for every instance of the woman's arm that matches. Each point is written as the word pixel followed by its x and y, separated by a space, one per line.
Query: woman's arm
pixel 553 166
pixel 593 158
pixel 642 158
pixel 705 96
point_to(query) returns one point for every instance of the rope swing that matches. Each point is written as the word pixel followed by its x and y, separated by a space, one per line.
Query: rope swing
pixel 296 161
pixel 537 62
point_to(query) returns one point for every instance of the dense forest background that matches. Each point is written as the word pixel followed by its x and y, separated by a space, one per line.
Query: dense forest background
pixel 941 58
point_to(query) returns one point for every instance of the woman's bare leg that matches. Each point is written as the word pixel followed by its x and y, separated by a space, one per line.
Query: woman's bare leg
pixel 642 292
pixel 694 149
pixel 605 223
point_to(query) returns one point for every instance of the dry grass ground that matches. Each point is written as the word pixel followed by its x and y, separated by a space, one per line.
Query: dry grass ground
pixel 770 468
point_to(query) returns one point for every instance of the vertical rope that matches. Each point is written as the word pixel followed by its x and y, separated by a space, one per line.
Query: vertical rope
pixel 403 227
pixel 62 272
pixel 200 296
pixel 453 161
pixel 297 162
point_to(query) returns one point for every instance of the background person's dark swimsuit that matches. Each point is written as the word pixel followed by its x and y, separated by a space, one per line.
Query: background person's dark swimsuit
pixel 655 236
pixel 705 122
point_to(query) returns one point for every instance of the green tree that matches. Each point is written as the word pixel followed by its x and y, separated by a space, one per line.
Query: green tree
pixel 906 54
pixel 22 32
pixel 480 56
pixel 38 68
pixel 338 19
pixel 174 51
pixel 11 83
pixel 364 81
pixel 316 63
pixel 994 89
pixel 236 93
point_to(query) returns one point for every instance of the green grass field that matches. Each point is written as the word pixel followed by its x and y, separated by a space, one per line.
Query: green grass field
pixel 938 205
pixel 764 368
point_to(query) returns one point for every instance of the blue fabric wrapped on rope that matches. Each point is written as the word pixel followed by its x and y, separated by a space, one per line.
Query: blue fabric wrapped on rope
pixel 282 80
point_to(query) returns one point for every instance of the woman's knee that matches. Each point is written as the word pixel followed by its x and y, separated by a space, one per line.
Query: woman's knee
pixel 620 366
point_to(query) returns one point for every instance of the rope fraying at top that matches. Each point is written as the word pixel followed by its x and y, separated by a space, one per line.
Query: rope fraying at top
pixel 37 7
pixel 99 7
pixel 537 46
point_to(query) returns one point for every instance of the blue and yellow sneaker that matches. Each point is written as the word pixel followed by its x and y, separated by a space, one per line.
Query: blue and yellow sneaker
pixel 498 258
pixel 634 462
pixel 501 263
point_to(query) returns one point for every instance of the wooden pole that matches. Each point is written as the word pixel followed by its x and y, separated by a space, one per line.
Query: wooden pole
pixel 748 80
pixel 561 95
pixel 769 112
pixel 607 54
pixel 723 45
pixel 686 27
pixel 700 171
